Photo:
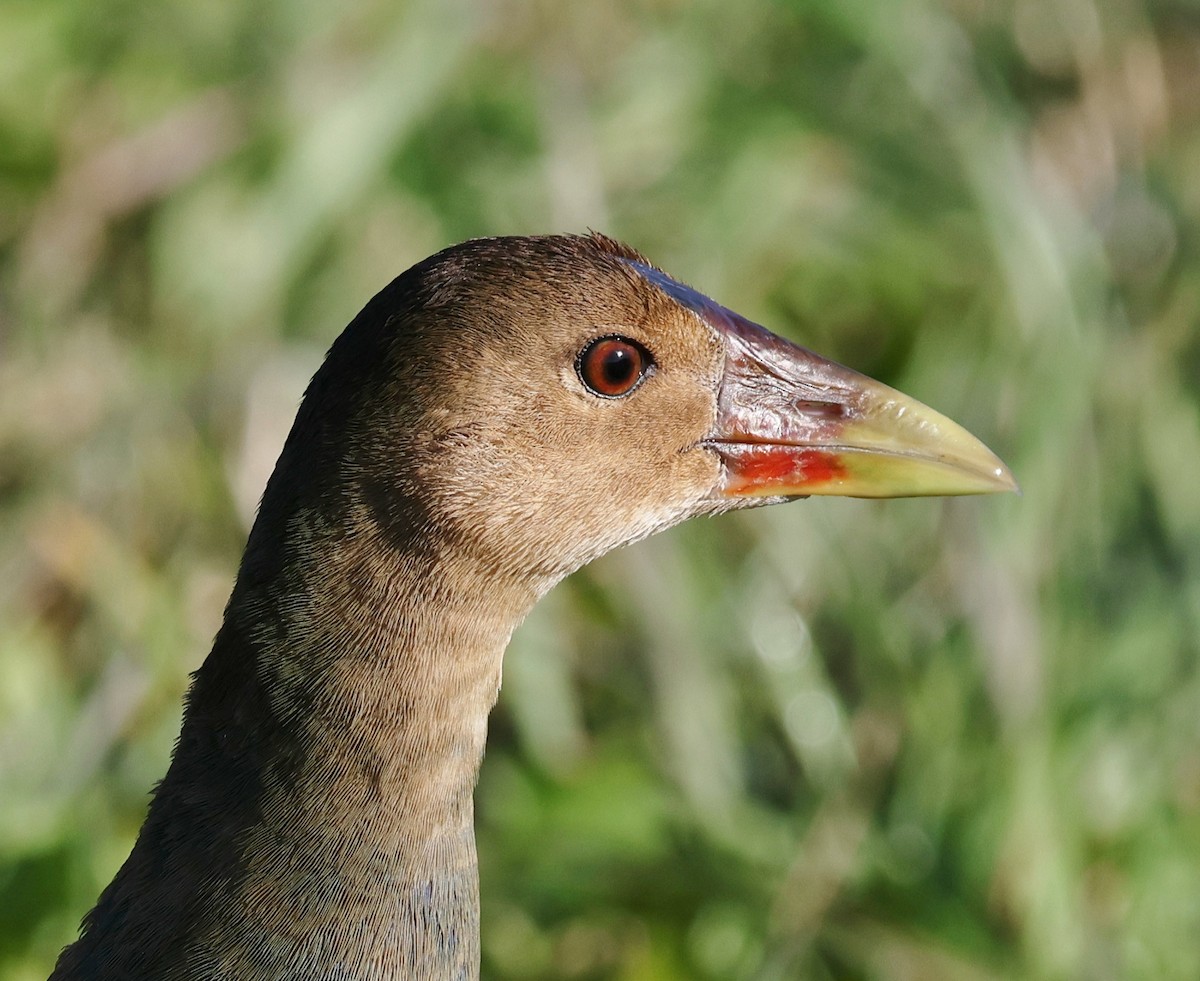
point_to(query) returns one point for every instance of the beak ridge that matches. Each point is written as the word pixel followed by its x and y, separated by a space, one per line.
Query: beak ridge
pixel 791 423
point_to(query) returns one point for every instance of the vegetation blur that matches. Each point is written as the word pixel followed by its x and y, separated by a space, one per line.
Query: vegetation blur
pixel 839 739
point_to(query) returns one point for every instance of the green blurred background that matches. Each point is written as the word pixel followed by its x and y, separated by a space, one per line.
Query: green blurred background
pixel 842 739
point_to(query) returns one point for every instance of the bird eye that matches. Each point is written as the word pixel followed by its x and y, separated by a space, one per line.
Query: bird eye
pixel 613 366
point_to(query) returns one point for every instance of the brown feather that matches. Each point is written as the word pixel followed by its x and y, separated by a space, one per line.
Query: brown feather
pixel 444 470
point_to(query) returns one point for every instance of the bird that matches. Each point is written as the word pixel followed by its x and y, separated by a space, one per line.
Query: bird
pixel 500 414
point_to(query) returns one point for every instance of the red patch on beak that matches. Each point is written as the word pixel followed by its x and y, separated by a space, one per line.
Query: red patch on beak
pixel 790 423
pixel 759 466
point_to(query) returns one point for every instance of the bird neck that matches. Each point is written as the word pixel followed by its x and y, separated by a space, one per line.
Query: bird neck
pixel 317 816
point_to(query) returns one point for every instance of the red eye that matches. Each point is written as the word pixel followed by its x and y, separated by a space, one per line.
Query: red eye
pixel 613 366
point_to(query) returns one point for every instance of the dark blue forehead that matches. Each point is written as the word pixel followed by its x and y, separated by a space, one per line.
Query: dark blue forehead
pixel 710 311
pixel 683 295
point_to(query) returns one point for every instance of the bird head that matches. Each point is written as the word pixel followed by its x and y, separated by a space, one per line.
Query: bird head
pixel 540 401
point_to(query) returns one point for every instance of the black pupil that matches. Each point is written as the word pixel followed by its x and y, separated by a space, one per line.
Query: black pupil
pixel 618 365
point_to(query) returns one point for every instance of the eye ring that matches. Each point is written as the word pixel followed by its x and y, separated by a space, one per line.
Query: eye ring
pixel 613 366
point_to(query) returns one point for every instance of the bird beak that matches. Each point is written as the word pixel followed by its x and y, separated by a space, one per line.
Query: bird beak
pixel 791 423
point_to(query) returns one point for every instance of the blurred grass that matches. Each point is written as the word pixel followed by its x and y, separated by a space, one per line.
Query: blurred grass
pixel 840 739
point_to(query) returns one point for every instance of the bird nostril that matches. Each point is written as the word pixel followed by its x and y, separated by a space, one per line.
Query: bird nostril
pixel 613 366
